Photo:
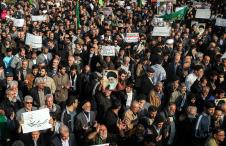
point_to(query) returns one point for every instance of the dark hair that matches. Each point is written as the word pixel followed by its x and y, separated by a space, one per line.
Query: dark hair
pixel 121 71
pixel 152 108
pixel 209 104
pixel 35 66
pixel 116 104
pixel 73 67
pixel 198 67
pixel 217 130
pixel 70 100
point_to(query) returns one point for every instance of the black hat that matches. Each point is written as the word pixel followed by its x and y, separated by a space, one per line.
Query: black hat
pixel 9 74
pixel 111 74
pixel 84 102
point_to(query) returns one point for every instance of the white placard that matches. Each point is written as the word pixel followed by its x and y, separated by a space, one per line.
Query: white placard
pixel 18 22
pixel 36 120
pixel 203 13
pixel 220 22
pixel 132 37
pixel 106 144
pixel 108 51
pixel 33 40
pixel 39 18
pixel 161 31
pixel 174 1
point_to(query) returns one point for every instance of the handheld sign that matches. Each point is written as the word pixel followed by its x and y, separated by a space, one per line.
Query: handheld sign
pixel 132 37
pixel 203 13
pixel 18 22
pixel 108 51
pixel 161 31
pixel 33 40
pixel 36 120
pixel 39 18
pixel 220 22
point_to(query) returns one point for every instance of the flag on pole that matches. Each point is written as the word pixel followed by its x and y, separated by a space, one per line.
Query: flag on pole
pixel 78 14
pixel 101 2
pixel 178 15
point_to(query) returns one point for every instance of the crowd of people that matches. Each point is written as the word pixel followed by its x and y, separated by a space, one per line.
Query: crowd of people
pixel 161 91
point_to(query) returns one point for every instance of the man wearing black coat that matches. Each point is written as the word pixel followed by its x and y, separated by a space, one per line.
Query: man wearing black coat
pixel 63 138
pixel 38 93
pixel 145 84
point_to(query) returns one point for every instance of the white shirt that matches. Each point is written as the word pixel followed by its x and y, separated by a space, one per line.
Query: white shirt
pixel 129 99
pixel 65 142
pixel 45 55
pixel 189 81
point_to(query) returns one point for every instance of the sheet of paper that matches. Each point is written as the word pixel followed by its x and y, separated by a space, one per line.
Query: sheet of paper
pixel 33 40
pixel 108 50
pixel 36 120
pixel 161 31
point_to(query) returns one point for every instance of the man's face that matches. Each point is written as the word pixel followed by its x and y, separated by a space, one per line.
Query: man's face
pixel 224 63
pixel 41 85
pixel 24 64
pixel 8 79
pixel 49 102
pixel 123 77
pixel 135 108
pixel 159 125
pixel 63 71
pixel 64 134
pixel 211 111
pixel 43 73
pixel 45 50
pixel 200 73
pixel 150 74
pixel 220 136
pixel 217 115
pixel 128 89
pixel 71 60
pixel 35 71
pixel 107 92
pixel 172 109
pixel 10 95
pixel 153 115
pixel 103 131
pixel 87 107
pixel 28 104
pixel 22 53
pixel 35 135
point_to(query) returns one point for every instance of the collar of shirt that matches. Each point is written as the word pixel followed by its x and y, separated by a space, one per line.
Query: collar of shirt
pixel 65 142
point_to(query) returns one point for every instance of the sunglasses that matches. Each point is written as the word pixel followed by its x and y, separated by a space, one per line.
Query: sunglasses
pixel 28 102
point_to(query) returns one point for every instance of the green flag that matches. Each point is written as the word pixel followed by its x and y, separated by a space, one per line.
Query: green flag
pixel 139 3
pixel 101 2
pixel 30 2
pixel 78 14
pixel 178 15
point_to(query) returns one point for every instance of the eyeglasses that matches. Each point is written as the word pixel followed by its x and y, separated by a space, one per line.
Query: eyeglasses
pixel 28 102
